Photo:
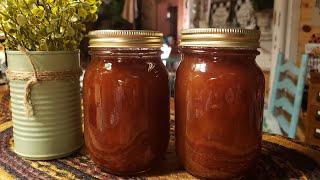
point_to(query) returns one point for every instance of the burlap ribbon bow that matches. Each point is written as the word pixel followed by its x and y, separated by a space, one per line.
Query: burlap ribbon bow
pixel 35 77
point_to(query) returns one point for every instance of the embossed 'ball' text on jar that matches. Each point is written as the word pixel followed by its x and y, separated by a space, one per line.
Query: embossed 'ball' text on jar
pixel 126 101
pixel 219 102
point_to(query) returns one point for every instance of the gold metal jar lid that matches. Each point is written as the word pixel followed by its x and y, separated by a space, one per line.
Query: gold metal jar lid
pixel 220 37
pixel 125 39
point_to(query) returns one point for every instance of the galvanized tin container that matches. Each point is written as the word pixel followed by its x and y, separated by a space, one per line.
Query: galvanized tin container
pixel 55 128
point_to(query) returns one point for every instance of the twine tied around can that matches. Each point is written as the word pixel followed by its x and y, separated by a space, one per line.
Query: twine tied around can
pixel 35 77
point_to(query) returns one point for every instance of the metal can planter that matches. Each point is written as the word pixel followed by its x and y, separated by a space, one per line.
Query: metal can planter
pixel 53 129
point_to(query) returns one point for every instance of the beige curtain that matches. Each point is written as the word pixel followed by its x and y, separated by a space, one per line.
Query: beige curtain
pixel 130 10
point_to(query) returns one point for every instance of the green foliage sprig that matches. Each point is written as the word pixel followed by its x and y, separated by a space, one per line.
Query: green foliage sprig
pixel 46 25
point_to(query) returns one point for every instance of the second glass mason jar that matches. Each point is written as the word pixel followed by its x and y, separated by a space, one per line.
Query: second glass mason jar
pixel 126 101
pixel 219 102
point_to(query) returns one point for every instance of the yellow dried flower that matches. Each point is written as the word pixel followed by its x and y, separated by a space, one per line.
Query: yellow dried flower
pixel 21 19
pixel 46 25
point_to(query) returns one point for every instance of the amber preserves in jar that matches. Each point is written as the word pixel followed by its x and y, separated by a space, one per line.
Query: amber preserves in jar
pixel 126 101
pixel 219 102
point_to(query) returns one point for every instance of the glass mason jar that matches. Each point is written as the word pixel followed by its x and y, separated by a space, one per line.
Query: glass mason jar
pixel 219 102
pixel 126 101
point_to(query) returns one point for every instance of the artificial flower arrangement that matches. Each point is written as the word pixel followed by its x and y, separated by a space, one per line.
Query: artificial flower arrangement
pixel 41 40
pixel 46 25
